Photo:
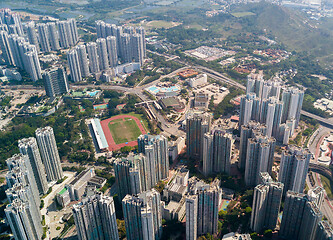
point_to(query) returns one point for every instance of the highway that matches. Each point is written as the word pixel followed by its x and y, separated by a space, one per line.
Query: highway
pixel 171 129
pixel 210 72
pixel 314 146
pixel 220 77
pixel 324 121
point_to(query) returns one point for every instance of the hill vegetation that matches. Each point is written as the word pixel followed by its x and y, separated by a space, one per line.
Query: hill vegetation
pixel 293 29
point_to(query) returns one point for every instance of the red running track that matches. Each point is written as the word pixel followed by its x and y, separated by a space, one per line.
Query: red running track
pixel 112 145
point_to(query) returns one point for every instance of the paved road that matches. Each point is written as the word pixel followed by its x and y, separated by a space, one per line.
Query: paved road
pixel 208 71
pixel 316 137
pixel 325 121
pixel 165 125
pixel 220 77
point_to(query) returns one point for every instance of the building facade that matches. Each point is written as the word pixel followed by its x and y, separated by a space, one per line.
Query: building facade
pixel 143 216
pixel 19 217
pixel 55 81
pixel 197 124
pixel 49 153
pixel 259 157
pixel 202 205
pixel 294 168
pixel 29 147
pixel 156 150
pixel 217 148
pixel 301 217
pixel 95 218
pixel 74 65
pixel 266 205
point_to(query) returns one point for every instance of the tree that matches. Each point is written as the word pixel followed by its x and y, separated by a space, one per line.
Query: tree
pixel 268 233
pixel 121 228
pixel 248 209
pixel 125 149
pixel 222 214
pixel 160 186
pixel 255 236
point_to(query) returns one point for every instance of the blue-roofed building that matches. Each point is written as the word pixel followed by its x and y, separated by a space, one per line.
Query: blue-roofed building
pixel 99 135
pixel 164 90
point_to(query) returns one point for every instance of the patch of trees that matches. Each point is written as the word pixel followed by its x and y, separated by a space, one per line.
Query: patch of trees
pixel 66 129
pixel 74 169
pixel 308 106
pixel 135 77
pixel 188 37
pixel 89 38
pixel 225 107
pixel 106 173
pixel 5 101
pixel 236 215
pixel 130 100
pixel 9 141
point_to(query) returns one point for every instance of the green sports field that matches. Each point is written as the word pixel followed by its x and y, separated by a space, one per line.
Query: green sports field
pixel 124 131
pixel 242 14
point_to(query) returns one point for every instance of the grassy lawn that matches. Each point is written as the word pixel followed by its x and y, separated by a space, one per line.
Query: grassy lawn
pixel 225 205
pixel 327 186
pixel 195 26
pixel 161 24
pixel 124 131
pixel 143 121
pixel 242 14
pixel 117 120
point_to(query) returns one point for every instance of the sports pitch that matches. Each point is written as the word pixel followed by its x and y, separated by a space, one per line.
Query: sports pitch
pixel 124 130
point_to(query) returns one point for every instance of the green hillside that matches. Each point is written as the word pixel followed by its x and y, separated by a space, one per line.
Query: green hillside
pixel 293 29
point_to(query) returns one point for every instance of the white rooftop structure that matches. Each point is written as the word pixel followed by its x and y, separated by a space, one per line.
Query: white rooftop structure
pixel 236 236
pixel 99 134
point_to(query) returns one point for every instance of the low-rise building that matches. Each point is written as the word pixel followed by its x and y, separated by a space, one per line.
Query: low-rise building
pixel 177 186
pixel 199 80
pixel 174 210
pixel 188 73
pixel 172 102
pixel 127 68
pixel 77 187
pixel 99 136
pixel 176 148
pixel 11 74
pixel 96 181
pixel 236 236
pixel 201 100
pixel 63 198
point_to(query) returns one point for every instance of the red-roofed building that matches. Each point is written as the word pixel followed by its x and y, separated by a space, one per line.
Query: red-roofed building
pixel 234 118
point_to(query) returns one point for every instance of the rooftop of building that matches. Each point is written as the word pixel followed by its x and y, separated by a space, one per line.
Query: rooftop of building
pixel 316 190
pixel 170 101
pixel 80 175
pixel 44 130
pixel 296 194
pixel 99 134
pixel 236 236
pixel 314 208
pixel 97 180
pixel 62 191
pixel 172 206
pixel 201 97
pixel 188 73
pixel 177 188
pixel 326 226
